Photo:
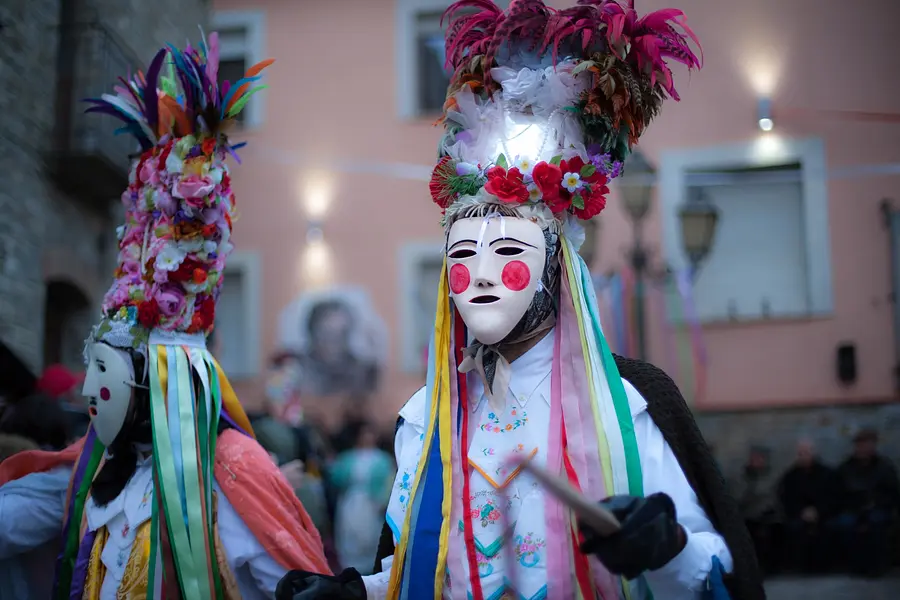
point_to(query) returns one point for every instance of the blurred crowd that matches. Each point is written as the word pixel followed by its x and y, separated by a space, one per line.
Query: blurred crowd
pixel 815 518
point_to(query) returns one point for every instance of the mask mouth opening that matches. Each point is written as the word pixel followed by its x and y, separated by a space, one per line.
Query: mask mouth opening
pixel 487 299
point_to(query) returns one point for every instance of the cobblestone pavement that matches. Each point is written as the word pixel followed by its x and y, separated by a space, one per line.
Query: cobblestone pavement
pixel 838 587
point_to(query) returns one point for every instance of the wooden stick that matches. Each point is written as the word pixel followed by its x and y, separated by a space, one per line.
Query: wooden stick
pixel 602 521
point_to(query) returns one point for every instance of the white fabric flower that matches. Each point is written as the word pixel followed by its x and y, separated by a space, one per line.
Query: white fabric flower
pixel 174 164
pixel 518 87
pixel 209 247
pixel 572 181
pixel 120 232
pixel 482 122
pixel 525 165
pixel 169 258
pixel 534 192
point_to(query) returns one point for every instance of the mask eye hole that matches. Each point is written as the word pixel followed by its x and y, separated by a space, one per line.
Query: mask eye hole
pixel 101 367
pixel 462 253
pixel 509 251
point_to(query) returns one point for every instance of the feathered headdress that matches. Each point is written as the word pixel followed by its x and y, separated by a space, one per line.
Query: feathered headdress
pixel 545 105
pixel 172 251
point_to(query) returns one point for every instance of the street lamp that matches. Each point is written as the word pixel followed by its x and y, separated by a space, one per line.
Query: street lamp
pixel 698 218
pixel 636 181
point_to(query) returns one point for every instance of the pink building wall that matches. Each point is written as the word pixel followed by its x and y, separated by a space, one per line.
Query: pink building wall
pixel 331 110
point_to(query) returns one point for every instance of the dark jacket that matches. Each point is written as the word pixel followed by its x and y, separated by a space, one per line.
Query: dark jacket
pixel 673 417
pixel 803 487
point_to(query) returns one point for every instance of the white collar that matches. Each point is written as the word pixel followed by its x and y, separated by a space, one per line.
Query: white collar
pixel 529 371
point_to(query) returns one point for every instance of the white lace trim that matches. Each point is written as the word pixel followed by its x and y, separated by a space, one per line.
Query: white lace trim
pixel 177 338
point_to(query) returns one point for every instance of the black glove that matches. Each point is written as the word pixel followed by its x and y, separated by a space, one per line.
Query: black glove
pixel 303 585
pixel 650 536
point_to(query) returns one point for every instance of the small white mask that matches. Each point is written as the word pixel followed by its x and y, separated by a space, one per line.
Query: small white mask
pixel 108 386
pixel 494 267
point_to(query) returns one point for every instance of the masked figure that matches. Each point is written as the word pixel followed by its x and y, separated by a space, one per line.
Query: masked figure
pixel 543 108
pixel 168 494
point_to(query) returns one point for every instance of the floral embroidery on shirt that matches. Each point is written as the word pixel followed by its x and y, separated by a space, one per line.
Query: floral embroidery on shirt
pixel 528 550
pixel 487 513
pixel 404 485
pixel 125 529
pixel 516 421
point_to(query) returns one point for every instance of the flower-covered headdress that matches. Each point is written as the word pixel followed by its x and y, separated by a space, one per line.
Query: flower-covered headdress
pixel 179 204
pixel 545 105
pixel 172 250
pixel 543 108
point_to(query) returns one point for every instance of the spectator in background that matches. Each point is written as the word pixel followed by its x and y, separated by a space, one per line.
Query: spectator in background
pixel 755 492
pixel 363 477
pixel 40 419
pixel 870 502
pixel 59 382
pixel 808 492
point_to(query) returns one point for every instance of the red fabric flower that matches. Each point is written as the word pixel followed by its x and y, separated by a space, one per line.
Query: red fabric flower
pixel 594 203
pixel 207 312
pixel 185 271
pixel 148 313
pixel 573 165
pixel 548 178
pixel 164 155
pixel 506 185
pixel 208 145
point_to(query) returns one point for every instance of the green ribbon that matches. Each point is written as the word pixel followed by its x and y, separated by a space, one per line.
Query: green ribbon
pixel 191 473
pixel 168 479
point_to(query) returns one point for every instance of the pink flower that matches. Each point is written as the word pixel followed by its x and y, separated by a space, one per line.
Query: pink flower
pixel 494 515
pixel 193 189
pixel 117 296
pixel 149 173
pixel 165 202
pixel 170 299
pixel 131 267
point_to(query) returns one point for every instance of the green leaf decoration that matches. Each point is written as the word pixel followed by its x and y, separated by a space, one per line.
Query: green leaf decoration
pixel 556 160
pixel 578 201
pixel 582 66
pixel 588 170
pixel 501 161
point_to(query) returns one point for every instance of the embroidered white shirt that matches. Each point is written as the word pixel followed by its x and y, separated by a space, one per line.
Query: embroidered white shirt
pixel 524 428
pixel 27 521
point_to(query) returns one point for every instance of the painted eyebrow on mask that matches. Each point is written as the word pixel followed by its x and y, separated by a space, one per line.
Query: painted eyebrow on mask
pixel 511 239
pixel 461 242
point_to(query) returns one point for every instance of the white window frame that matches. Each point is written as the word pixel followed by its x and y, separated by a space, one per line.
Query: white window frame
pixel 767 151
pixel 248 264
pixel 405 56
pixel 411 256
pixel 253 22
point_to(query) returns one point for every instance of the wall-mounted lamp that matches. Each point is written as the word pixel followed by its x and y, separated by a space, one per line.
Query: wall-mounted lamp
pixel 764 114
pixel 314 233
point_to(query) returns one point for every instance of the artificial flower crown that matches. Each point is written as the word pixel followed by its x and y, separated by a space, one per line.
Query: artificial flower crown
pixel 179 204
pixel 545 105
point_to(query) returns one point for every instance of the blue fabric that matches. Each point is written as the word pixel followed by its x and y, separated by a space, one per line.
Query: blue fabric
pixel 31 516
pixel 715 583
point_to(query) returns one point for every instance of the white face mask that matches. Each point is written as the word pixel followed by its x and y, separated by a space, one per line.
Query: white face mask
pixel 108 386
pixel 494 266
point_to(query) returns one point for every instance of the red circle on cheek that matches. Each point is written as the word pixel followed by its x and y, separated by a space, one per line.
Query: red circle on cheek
pixel 459 279
pixel 516 275
pixel 104 393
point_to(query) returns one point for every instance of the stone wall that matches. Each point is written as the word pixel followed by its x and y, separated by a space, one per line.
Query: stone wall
pixel 831 428
pixel 36 220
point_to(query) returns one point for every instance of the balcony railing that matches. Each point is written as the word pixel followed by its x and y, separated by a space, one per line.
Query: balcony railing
pixel 88 159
